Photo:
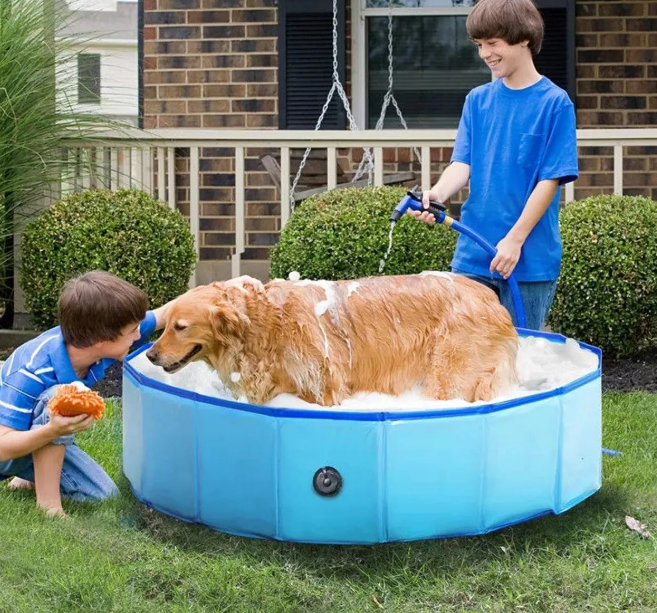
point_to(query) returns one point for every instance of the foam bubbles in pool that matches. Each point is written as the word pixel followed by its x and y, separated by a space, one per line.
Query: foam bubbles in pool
pixel 196 377
pixel 542 365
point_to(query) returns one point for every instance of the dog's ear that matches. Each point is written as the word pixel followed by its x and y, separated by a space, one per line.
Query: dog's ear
pixel 227 318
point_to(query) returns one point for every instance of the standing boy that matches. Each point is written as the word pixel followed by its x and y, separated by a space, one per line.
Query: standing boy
pixel 516 145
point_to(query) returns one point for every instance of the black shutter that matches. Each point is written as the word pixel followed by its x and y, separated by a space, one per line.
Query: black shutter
pixel 557 57
pixel 305 69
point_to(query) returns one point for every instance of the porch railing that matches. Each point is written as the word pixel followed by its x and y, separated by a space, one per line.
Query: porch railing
pixel 147 160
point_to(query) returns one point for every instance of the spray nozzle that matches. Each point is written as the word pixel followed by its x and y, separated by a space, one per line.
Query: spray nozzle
pixel 413 200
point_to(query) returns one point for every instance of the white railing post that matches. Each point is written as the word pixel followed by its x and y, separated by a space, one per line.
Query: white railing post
pixel 171 158
pixel 618 169
pixel 85 167
pixel 136 169
pixel 426 168
pixel 285 185
pixel 147 176
pixel 114 168
pixel 100 169
pixel 331 168
pixel 239 212
pixel 570 191
pixel 161 178
pixel 378 165
pixel 125 172
pixel 194 205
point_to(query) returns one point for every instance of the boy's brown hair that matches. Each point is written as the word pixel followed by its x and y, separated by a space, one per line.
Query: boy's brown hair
pixel 514 21
pixel 96 306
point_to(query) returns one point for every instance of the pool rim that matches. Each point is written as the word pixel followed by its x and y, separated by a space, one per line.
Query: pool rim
pixel 371 414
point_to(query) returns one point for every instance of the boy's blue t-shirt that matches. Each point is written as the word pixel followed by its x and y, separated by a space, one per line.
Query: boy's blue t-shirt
pixel 512 139
pixel 42 363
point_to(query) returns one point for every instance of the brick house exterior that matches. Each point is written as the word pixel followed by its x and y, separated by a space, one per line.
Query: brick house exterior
pixel 214 64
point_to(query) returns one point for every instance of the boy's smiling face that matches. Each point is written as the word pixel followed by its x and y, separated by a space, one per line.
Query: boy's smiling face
pixel 118 348
pixel 502 58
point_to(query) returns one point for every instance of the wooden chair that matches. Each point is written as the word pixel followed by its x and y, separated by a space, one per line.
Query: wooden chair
pixel 314 180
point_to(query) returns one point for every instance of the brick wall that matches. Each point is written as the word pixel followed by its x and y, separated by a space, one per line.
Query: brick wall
pixel 617 87
pixel 213 64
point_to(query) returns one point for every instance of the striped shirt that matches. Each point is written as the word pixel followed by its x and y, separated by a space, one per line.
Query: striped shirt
pixel 42 363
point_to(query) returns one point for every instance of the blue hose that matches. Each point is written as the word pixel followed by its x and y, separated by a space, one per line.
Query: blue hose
pixel 513 284
pixel 413 200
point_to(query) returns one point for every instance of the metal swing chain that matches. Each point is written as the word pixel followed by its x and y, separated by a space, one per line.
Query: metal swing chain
pixel 343 96
pixel 389 96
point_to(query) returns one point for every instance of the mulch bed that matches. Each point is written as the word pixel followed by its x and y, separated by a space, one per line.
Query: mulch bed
pixel 111 386
pixel 619 375
pixel 627 375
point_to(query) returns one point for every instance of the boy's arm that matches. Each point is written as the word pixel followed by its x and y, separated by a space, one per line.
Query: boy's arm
pixel 19 443
pixel 456 176
pixel 510 247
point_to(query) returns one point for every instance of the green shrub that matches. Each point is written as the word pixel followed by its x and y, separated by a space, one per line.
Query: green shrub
pixel 125 232
pixel 607 290
pixel 38 116
pixel 343 234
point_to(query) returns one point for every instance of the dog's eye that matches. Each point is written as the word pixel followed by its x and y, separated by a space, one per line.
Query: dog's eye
pixel 179 326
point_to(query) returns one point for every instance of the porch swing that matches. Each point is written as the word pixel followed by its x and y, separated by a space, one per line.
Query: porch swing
pixel 367 164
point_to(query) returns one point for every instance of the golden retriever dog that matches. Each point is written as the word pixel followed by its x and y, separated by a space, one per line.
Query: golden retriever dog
pixel 324 341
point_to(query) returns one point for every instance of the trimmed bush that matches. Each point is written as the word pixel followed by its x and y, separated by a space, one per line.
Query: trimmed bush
pixel 607 290
pixel 343 234
pixel 125 232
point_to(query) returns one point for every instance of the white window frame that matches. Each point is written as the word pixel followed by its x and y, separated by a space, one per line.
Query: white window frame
pixel 359 15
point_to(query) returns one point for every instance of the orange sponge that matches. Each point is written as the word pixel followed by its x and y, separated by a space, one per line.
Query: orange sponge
pixel 69 401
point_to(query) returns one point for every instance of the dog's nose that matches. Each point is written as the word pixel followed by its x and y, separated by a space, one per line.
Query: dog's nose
pixel 152 355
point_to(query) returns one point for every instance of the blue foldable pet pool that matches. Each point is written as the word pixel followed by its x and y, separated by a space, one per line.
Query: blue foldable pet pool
pixel 363 476
pixel 326 476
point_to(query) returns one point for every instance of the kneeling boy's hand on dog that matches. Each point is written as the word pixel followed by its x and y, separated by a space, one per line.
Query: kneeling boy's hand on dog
pixel 246 280
pixel 62 426
pixel 508 254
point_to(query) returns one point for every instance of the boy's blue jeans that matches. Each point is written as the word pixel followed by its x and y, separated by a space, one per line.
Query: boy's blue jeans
pixel 82 478
pixel 537 297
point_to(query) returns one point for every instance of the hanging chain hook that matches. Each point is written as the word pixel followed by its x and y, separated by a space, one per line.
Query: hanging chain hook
pixel 336 86
pixel 389 95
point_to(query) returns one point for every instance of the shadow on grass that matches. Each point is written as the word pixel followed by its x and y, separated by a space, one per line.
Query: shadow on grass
pixel 580 527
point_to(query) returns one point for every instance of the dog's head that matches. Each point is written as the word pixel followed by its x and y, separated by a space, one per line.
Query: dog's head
pixel 206 323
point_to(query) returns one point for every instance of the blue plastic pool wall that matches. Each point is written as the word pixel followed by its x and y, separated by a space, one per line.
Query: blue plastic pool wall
pixel 404 477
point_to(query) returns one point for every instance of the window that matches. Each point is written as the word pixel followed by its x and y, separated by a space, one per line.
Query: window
pixel 89 78
pixel 434 63
pixel 305 73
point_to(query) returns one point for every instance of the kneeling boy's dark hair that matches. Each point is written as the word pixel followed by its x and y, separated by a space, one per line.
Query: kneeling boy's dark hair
pixel 511 20
pixel 96 306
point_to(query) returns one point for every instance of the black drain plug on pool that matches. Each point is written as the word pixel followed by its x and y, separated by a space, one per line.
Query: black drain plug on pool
pixel 327 481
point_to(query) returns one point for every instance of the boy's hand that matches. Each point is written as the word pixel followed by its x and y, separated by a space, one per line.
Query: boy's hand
pixel 425 216
pixel 62 426
pixel 508 254
pixel 246 279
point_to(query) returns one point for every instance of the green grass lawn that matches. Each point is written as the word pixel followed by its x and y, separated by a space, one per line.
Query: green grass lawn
pixel 121 556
